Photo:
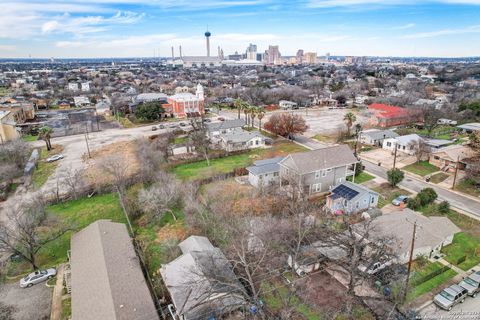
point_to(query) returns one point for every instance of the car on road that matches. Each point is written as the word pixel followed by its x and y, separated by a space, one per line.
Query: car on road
pixel 221 118
pixel 161 126
pixel 399 200
pixel 471 283
pixel 173 125
pixel 451 296
pixel 207 120
pixel 183 124
pixel 55 157
pixel 154 128
pixel 37 277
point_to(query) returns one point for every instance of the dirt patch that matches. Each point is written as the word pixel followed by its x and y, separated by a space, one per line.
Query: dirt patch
pixel 322 290
pixel 171 231
pixel 123 151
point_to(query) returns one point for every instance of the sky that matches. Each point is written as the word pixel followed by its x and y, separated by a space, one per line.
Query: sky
pixel 147 28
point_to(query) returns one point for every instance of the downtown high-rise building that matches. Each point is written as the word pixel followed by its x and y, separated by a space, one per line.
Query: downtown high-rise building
pixel 252 52
pixel 310 57
pixel 299 57
pixel 272 55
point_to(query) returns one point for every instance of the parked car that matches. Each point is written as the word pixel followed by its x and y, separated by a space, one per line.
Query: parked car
pixel 183 124
pixel 451 296
pixel 173 125
pixel 399 200
pixel 471 283
pixel 221 118
pixel 55 157
pixel 161 126
pixel 37 277
pixel 207 120
pixel 154 128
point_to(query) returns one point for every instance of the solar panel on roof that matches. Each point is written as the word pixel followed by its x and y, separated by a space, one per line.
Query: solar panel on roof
pixel 345 192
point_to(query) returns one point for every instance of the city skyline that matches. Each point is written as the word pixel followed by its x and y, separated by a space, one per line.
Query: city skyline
pixel 139 28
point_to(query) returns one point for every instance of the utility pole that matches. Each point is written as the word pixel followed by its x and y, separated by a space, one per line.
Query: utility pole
pixel 88 148
pixel 410 259
pixel 395 156
pixel 455 174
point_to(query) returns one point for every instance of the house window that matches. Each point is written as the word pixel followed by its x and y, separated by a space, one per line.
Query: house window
pixel 275 174
pixel 256 142
pixel 324 173
pixel 436 157
pixel 317 187
pixel 317 174
pixel 373 199
pixel 403 147
pixel 389 144
pixel 329 170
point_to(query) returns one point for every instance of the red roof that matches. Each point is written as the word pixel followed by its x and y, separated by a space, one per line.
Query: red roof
pixel 387 111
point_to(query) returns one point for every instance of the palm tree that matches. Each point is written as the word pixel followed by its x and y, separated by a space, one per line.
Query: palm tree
pixel 253 113
pixel 45 133
pixel 349 120
pixel 240 105
pixel 246 111
pixel 261 114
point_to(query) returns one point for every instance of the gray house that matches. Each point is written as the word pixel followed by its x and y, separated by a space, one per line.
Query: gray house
pixel 218 128
pixel 107 281
pixel 240 139
pixel 314 172
pixel 375 137
pixel 350 198
pixel 264 172
pixel 201 282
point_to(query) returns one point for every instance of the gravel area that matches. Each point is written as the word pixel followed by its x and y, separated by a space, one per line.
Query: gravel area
pixel 30 303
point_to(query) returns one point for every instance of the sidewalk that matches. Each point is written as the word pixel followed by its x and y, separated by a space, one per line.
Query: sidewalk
pixel 56 313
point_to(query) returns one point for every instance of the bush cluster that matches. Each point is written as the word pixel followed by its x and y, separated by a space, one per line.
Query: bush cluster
pixel 424 197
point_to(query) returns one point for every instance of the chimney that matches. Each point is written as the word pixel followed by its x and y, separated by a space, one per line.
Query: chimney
pixel 180 49
pixel 173 54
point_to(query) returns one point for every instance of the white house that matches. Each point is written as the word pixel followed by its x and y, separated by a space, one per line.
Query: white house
pixel 227 126
pixel 81 101
pixel 406 144
pixel 285 104
pixel 264 172
pixel 241 140
pixel 73 86
pixel 375 137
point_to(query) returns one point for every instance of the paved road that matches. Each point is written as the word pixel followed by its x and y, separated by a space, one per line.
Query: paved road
pixel 469 310
pixel 29 303
pixel 456 200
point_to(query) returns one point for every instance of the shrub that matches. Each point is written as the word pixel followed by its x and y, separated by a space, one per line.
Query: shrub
pixel 427 196
pixel 444 207
pixel 395 176
pixel 358 168
pixel 414 203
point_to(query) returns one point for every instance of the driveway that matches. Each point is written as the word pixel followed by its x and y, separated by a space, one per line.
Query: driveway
pixel 469 310
pixel 30 303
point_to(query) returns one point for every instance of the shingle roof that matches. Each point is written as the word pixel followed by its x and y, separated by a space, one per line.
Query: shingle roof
pixel 265 166
pixel 227 124
pixel 456 151
pixel 240 136
pixel 380 134
pixel 310 161
pixel 202 284
pixel 107 282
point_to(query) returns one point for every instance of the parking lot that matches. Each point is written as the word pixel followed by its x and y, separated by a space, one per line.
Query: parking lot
pixel 30 303
pixel 385 157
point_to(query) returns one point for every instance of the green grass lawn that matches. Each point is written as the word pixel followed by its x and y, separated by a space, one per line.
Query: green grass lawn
pixel 200 170
pixel 463 245
pixel 45 169
pixel 429 285
pixel 387 194
pixel 469 187
pixel 180 140
pixel 439 177
pixel 421 168
pixel 77 214
pixel 362 177
pixel 29 138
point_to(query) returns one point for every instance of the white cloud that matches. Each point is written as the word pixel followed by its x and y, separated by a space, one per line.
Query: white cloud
pixel 443 32
pixel 406 26
pixel 350 3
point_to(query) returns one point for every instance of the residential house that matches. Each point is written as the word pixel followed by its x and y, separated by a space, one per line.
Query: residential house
pixel 406 144
pixel 106 278
pixel 451 157
pixel 81 101
pixel 217 128
pixel 73 86
pixel 285 104
pixel 436 144
pixel 375 137
pixel 469 127
pixel 310 258
pixel 201 282
pixel 8 130
pixel 265 172
pixel 242 140
pixel 349 198
pixel 314 172
pixel 433 233
pixel 389 116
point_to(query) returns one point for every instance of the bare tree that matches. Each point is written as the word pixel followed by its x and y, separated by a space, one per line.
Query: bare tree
pixel 163 196
pixel 421 149
pixel 198 137
pixel 74 181
pixel 22 234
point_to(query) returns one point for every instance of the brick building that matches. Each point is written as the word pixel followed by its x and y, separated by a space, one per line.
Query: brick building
pixel 389 116
pixel 185 104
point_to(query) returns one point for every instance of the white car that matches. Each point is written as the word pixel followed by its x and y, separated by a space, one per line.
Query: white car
pixel 55 157
pixel 37 277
